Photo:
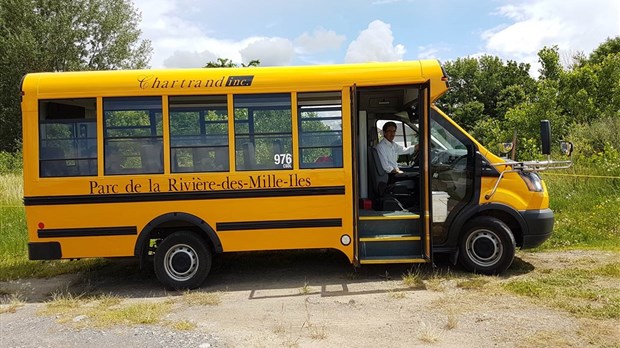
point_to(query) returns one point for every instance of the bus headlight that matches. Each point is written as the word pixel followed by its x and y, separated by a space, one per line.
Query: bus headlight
pixel 532 180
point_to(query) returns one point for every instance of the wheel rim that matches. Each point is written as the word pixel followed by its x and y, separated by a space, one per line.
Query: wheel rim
pixel 181 262
pixel 484 248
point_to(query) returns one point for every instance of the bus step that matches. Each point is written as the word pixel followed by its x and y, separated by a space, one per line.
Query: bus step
pixel 375 260
pixel 369 215
pixel 388 223
pixel 390 238
pixel 390 246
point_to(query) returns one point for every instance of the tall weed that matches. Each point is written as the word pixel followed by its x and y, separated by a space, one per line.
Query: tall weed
pixel 11 190
pixel 586 202
pixel 13 237
pixel 10 163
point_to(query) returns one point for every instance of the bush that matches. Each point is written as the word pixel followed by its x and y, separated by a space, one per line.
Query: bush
pixel 594 139
pixel 10 163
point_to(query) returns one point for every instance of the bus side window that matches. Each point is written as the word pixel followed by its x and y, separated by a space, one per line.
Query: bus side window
pixel 263 131
pixel 67 137
pixel 320 129
pixel 133 136
pixel 198 133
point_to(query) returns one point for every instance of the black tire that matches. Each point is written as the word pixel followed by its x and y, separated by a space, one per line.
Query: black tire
pixel 182 261
pixel 486 246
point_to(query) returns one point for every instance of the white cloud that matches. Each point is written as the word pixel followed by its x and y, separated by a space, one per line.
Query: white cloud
pixel 187 59
pixel 270 51
pixel 174 52
pixel 184 43
pixel 375 44
pixel 570 24
pixel 431 51
pixel 319 41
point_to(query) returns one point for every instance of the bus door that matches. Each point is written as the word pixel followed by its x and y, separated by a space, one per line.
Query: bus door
pixel 393 214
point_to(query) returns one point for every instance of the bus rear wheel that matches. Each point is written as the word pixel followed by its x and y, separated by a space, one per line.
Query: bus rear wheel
pixel 182 261
pixel 487 246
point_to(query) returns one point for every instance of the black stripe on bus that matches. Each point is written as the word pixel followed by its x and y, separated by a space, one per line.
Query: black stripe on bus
pixel 276 224
pixel 88 232
pixel 182 196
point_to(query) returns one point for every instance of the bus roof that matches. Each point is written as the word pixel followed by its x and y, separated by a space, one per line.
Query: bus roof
pixel 233 80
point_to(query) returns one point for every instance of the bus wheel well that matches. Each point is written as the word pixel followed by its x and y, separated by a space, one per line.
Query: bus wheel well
pixel 160 228
pixel 161 232
pixel 509 220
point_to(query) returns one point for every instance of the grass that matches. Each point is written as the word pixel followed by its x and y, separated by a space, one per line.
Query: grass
pixel 318 332
pixel 104 310
pixel 586 210
pixel 428 333
pixel 305 289
pixel 194 298
pixel 132 314
pixel 183 325
pixel 413 279
pixel 14 263
pixel 63 302
pixel 436 280
pixel 452 322
pixel 10 303
pixel 589 293
pixel 397 294
pixel 474 283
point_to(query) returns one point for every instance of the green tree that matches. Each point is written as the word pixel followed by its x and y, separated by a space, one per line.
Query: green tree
pixel 549 58
pixel 227 63
pixel 62 35
pixel 483 87
pixel 611 46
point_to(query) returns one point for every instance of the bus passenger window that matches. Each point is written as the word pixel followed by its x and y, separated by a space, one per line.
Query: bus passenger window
pixel 133 140
pixel 198 134
pixel 320 129
pixel 67 137
pixel 263 139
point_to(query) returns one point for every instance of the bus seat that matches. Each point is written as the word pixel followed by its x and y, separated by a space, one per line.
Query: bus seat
pixel 151 158
pixel 381 195
pixel 337 156
pixel 53 162
pixel 249 157
pixel 200 159
pixel 221 158
pixel 277 146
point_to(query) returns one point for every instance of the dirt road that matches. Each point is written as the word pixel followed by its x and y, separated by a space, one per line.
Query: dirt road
pixel 301 299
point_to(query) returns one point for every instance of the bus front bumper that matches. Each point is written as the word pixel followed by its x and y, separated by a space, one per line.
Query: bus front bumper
pixel 539 227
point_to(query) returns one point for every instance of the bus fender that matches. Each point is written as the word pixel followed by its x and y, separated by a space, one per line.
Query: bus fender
pixel 485 209
pixel 141 243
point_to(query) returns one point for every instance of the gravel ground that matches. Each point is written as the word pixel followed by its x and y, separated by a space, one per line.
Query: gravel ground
pixel 307 300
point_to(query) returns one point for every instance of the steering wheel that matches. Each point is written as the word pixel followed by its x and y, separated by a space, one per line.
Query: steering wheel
pixel 412 158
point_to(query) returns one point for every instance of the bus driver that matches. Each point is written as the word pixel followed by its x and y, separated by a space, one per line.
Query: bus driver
pixel 388 150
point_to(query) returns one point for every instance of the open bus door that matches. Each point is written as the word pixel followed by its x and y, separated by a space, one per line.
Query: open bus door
pixel 393 218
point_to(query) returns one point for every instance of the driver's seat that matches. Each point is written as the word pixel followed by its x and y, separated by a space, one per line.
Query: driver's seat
pixel 380 192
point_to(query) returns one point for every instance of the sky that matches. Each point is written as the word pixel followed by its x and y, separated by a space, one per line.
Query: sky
pixel 190 33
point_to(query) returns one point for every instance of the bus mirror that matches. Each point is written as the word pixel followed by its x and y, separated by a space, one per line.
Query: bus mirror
pixel 505 147
pixel 566 147
pixel 545 135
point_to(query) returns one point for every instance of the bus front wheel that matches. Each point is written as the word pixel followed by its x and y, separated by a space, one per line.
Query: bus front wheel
pixel 182 261
pixel 487 246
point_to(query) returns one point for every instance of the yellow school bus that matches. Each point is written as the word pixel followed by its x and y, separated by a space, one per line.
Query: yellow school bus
pixel 174 166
